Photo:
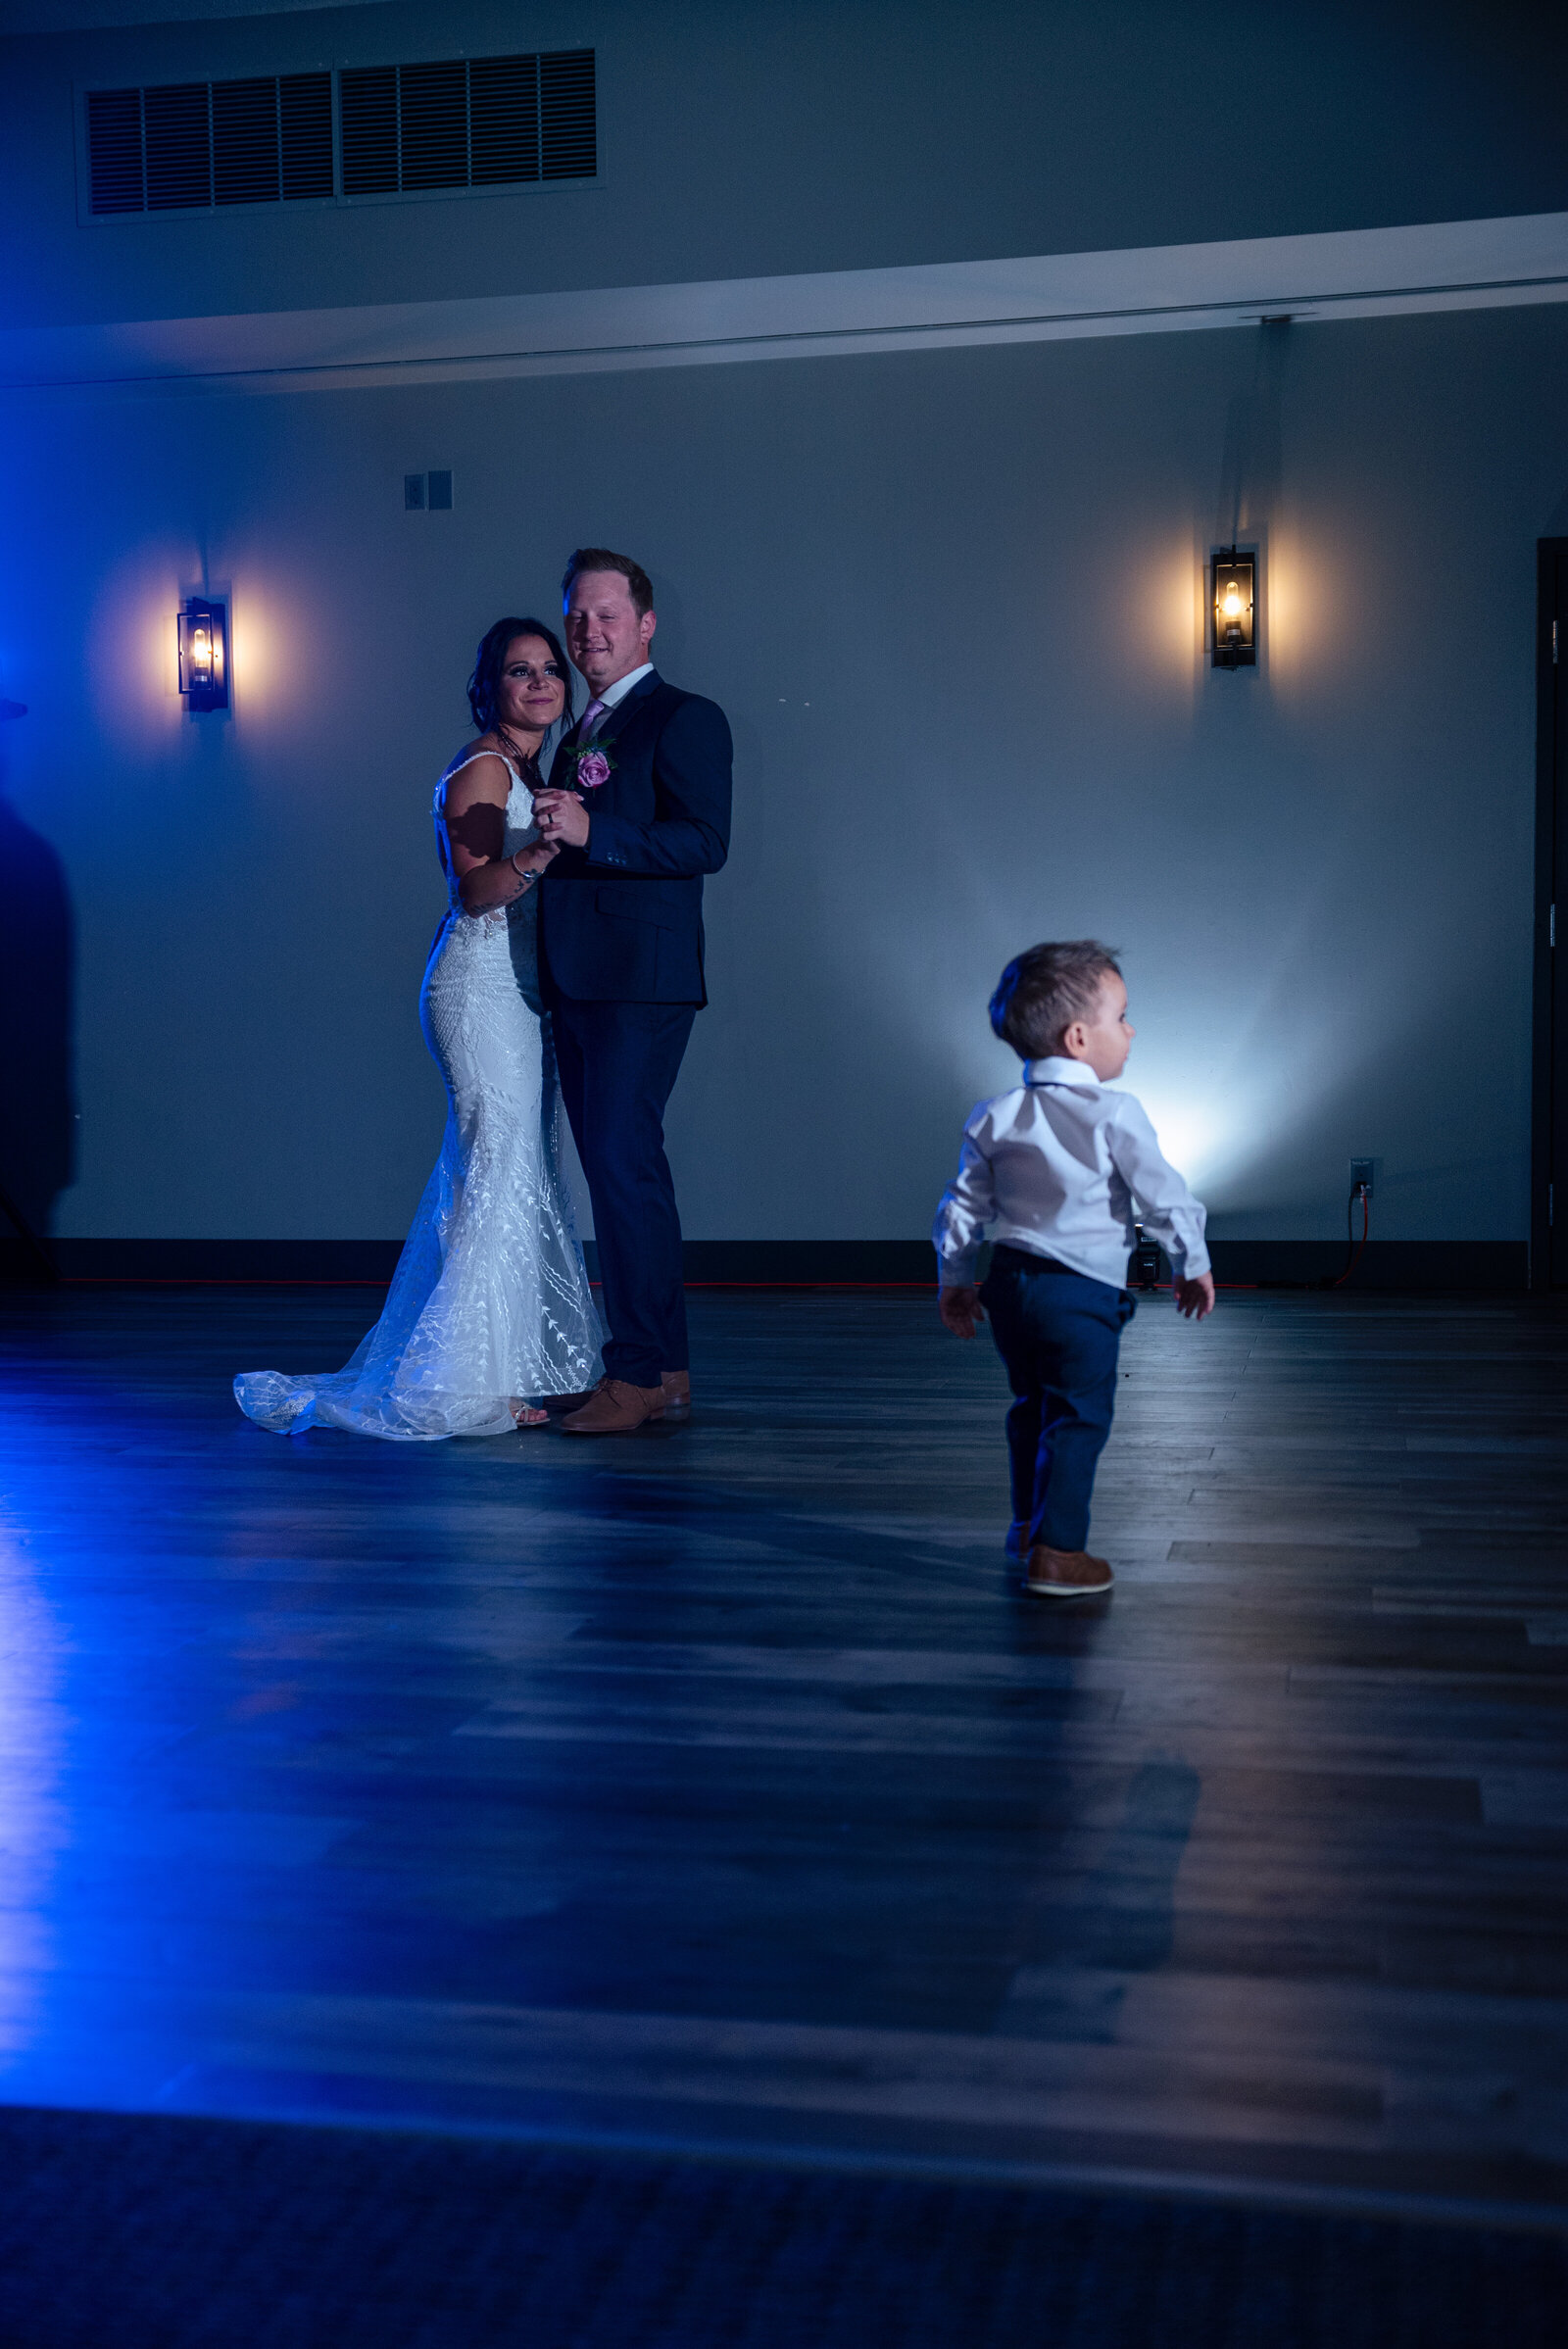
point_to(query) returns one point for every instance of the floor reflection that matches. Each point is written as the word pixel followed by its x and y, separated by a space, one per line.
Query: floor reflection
pixel 720 1786
pixel 34 1820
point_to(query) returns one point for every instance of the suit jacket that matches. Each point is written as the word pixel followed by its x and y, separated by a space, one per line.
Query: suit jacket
pixel 621 920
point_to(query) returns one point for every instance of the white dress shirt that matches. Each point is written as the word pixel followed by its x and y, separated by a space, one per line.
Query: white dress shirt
pixel 619 690
pixel 1054 1167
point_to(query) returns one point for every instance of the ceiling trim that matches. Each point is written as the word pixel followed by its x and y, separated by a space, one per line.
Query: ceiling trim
pixel 1354 273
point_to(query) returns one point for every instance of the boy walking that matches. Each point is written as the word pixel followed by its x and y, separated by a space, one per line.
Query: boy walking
pixel 1054 1168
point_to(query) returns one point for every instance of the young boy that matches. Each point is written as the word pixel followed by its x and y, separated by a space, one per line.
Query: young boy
pixel 1054 1167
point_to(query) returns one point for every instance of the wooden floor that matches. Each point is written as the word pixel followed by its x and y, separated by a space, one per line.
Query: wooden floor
pixel 716 1787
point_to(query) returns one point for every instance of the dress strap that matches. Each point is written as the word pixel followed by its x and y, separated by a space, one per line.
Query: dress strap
pixel 475 760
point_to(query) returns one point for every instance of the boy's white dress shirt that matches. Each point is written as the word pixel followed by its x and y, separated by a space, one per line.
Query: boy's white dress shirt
pixel 1056 1167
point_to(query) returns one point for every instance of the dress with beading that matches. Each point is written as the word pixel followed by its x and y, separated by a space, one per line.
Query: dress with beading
pixel 490 1300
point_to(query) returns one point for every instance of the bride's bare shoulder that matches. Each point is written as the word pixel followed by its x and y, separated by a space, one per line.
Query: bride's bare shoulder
pixel 476 769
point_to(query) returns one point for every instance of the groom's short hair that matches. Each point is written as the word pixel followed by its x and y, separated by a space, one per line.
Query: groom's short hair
pixel 1041 992
pixel 603 559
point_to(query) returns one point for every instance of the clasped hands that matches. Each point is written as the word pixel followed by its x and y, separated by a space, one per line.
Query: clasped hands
pixel 562 818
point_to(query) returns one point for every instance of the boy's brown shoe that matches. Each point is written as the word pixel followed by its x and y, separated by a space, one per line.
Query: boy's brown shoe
pixel 677 1386
pixel 615 1408
pixel 1065 1573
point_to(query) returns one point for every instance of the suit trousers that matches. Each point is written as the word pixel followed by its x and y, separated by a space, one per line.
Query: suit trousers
pixel 1059 1333
pixel 618 1063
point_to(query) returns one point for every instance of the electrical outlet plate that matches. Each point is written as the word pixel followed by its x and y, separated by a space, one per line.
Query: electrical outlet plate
pixel 1361 1173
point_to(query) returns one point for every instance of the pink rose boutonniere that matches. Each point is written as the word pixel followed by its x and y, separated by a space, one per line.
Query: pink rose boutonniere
pixel 590 768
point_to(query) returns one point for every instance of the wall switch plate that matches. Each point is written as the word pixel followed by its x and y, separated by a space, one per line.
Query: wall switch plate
pixel 413 493
pixel 1361 1173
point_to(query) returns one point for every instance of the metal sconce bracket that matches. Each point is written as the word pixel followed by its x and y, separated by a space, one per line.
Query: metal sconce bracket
pixel 203 630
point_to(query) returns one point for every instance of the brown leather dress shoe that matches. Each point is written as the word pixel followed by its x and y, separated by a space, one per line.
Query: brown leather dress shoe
pixel 1065 1573
pixel 615 1408
pixel 677 1386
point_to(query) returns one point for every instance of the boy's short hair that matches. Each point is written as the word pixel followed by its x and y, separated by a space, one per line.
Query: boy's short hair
pixel 1043 991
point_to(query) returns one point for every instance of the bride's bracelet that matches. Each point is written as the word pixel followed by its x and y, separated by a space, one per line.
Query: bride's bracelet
pixel 527 879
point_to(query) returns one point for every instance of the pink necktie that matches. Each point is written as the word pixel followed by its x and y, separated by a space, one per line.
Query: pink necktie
pixel 590 719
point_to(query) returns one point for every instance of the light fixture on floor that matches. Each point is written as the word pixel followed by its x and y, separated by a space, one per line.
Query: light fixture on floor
pixel 1235 601
pixel 204 654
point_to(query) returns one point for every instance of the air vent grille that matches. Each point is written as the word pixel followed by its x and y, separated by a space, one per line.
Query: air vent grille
pixel 483 122
pixel 503 120
pixel 245 142
pixel 113 151
pixel 189 145
pixel 178 142
pixel 304 136
pixel 433 121
pixel 569 147
pixel 369 103
pixel 459 123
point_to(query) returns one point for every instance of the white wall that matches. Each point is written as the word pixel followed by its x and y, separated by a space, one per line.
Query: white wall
pixel 951 603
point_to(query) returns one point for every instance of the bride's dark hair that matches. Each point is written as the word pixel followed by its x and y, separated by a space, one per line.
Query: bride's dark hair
pixel 485 684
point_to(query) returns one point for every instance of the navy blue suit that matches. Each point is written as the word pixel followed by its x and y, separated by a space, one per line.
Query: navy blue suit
pixel 620 962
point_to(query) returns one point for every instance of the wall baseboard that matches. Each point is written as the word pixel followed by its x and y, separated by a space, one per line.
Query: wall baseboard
pixel 1432 1265
pixel 1389 1265
pixel 334 1261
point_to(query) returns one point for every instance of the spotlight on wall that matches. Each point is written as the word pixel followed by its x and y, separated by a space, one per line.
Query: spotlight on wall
pixel 1235 602
pixel 204 654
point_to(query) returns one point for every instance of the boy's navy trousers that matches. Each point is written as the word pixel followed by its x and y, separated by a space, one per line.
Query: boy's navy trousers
pixel 1057 1332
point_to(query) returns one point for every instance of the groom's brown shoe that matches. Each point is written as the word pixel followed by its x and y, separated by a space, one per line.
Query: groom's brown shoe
pixel 1065 1573
pixel 677 1386
pixel 615 1408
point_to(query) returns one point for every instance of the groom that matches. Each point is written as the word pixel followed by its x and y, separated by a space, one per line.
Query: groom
pixel 639 802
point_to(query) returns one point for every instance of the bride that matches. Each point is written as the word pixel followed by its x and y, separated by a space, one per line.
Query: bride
pixel 489 1304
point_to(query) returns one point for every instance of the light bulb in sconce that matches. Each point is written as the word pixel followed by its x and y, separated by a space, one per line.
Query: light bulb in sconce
pixel 203 639
pixel 1235 609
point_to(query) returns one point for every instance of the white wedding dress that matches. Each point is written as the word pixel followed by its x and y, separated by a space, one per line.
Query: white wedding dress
pixel 490 1299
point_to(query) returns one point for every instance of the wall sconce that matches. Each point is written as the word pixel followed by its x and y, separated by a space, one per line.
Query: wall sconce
pixel 1235 602
pixel 204 654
